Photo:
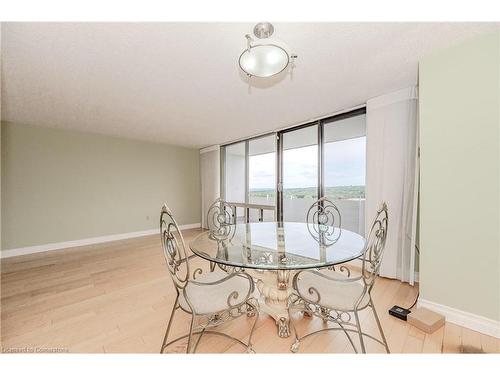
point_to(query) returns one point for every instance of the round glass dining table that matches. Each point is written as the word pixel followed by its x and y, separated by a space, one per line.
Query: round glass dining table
pixel 277 246
pixel 271 251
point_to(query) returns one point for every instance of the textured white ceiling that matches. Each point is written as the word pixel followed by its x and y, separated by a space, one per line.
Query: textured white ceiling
pixel 179 83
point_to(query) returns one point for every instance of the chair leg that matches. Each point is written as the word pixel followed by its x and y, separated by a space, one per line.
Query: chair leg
pixel 190 337
pixel 379 326
pixel 294 348
pixel 169 325
pixel 348 337
pixel 256 315
pixel 360 333
pixel 199 339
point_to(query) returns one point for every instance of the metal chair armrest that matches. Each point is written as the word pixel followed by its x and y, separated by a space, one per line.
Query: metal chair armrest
pixel 328 277
pixel 225 278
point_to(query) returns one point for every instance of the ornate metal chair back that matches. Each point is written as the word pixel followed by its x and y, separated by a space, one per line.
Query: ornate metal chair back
pixel 174 249
pixel 220 216
pixel 324 221
pixel 375 245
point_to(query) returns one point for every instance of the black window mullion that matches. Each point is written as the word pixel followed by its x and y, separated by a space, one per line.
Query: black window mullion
pixel 321 178
pixel 279 176
pixel 247 172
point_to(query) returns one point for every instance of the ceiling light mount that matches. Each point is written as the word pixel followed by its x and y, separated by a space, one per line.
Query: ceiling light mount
pixel 265 57
pixel 263 30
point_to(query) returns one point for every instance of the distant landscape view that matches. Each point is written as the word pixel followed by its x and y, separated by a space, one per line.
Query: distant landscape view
pixel 332 192
pixel 350 200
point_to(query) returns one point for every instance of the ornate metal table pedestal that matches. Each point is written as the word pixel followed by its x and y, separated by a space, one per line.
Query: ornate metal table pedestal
pixel 275 288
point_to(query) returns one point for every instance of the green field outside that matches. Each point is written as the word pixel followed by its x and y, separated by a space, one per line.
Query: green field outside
pixel 334 192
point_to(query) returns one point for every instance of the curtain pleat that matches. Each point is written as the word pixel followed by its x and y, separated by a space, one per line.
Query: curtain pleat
pixel 391 176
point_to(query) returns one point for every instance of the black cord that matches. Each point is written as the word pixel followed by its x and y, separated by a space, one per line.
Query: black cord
pixel 414 303
pixel 418 293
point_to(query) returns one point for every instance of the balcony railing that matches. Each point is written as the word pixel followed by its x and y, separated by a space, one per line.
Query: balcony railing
pixel 250 206
pixel 295 209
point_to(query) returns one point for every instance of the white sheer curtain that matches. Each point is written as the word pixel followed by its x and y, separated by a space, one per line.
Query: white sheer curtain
pixel 392 175
pixel 210 179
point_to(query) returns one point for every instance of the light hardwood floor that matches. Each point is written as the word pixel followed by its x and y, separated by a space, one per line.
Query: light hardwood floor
pixel 117 297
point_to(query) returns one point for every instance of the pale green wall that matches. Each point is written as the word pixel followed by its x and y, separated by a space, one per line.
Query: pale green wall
pixel 459 201
pixel 64 185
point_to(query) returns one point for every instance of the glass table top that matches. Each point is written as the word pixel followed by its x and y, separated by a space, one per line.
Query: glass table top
pixel 278 246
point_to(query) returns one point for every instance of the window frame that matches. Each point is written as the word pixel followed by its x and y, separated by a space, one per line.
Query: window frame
pixel 279 156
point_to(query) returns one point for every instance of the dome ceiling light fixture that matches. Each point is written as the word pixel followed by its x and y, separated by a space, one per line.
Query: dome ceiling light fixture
pixel 265 57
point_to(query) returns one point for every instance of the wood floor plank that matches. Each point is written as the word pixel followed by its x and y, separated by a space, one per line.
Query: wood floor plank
pixel 452 339
pixel 490 344
pixel 471 341
pixel 433 342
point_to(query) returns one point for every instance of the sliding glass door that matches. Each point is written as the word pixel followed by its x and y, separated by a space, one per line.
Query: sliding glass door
pixel 249 174
pixel 299 172
pixel 293 168
pixel 262 174
pixel 344 150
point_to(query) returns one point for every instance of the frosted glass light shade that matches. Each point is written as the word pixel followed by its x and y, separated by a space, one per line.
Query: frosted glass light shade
pixel 264 60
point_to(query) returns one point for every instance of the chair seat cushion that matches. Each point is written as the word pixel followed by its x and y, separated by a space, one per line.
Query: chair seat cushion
pixel 208 299
pixel 336 295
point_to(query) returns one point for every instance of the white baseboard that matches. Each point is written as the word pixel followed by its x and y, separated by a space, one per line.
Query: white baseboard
pixel 86 241
pixel 465 319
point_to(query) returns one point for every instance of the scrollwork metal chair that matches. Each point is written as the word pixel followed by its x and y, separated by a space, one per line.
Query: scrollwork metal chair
pixel 211 298
pixel 337 298
pixel 220 217
pixel 324 221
